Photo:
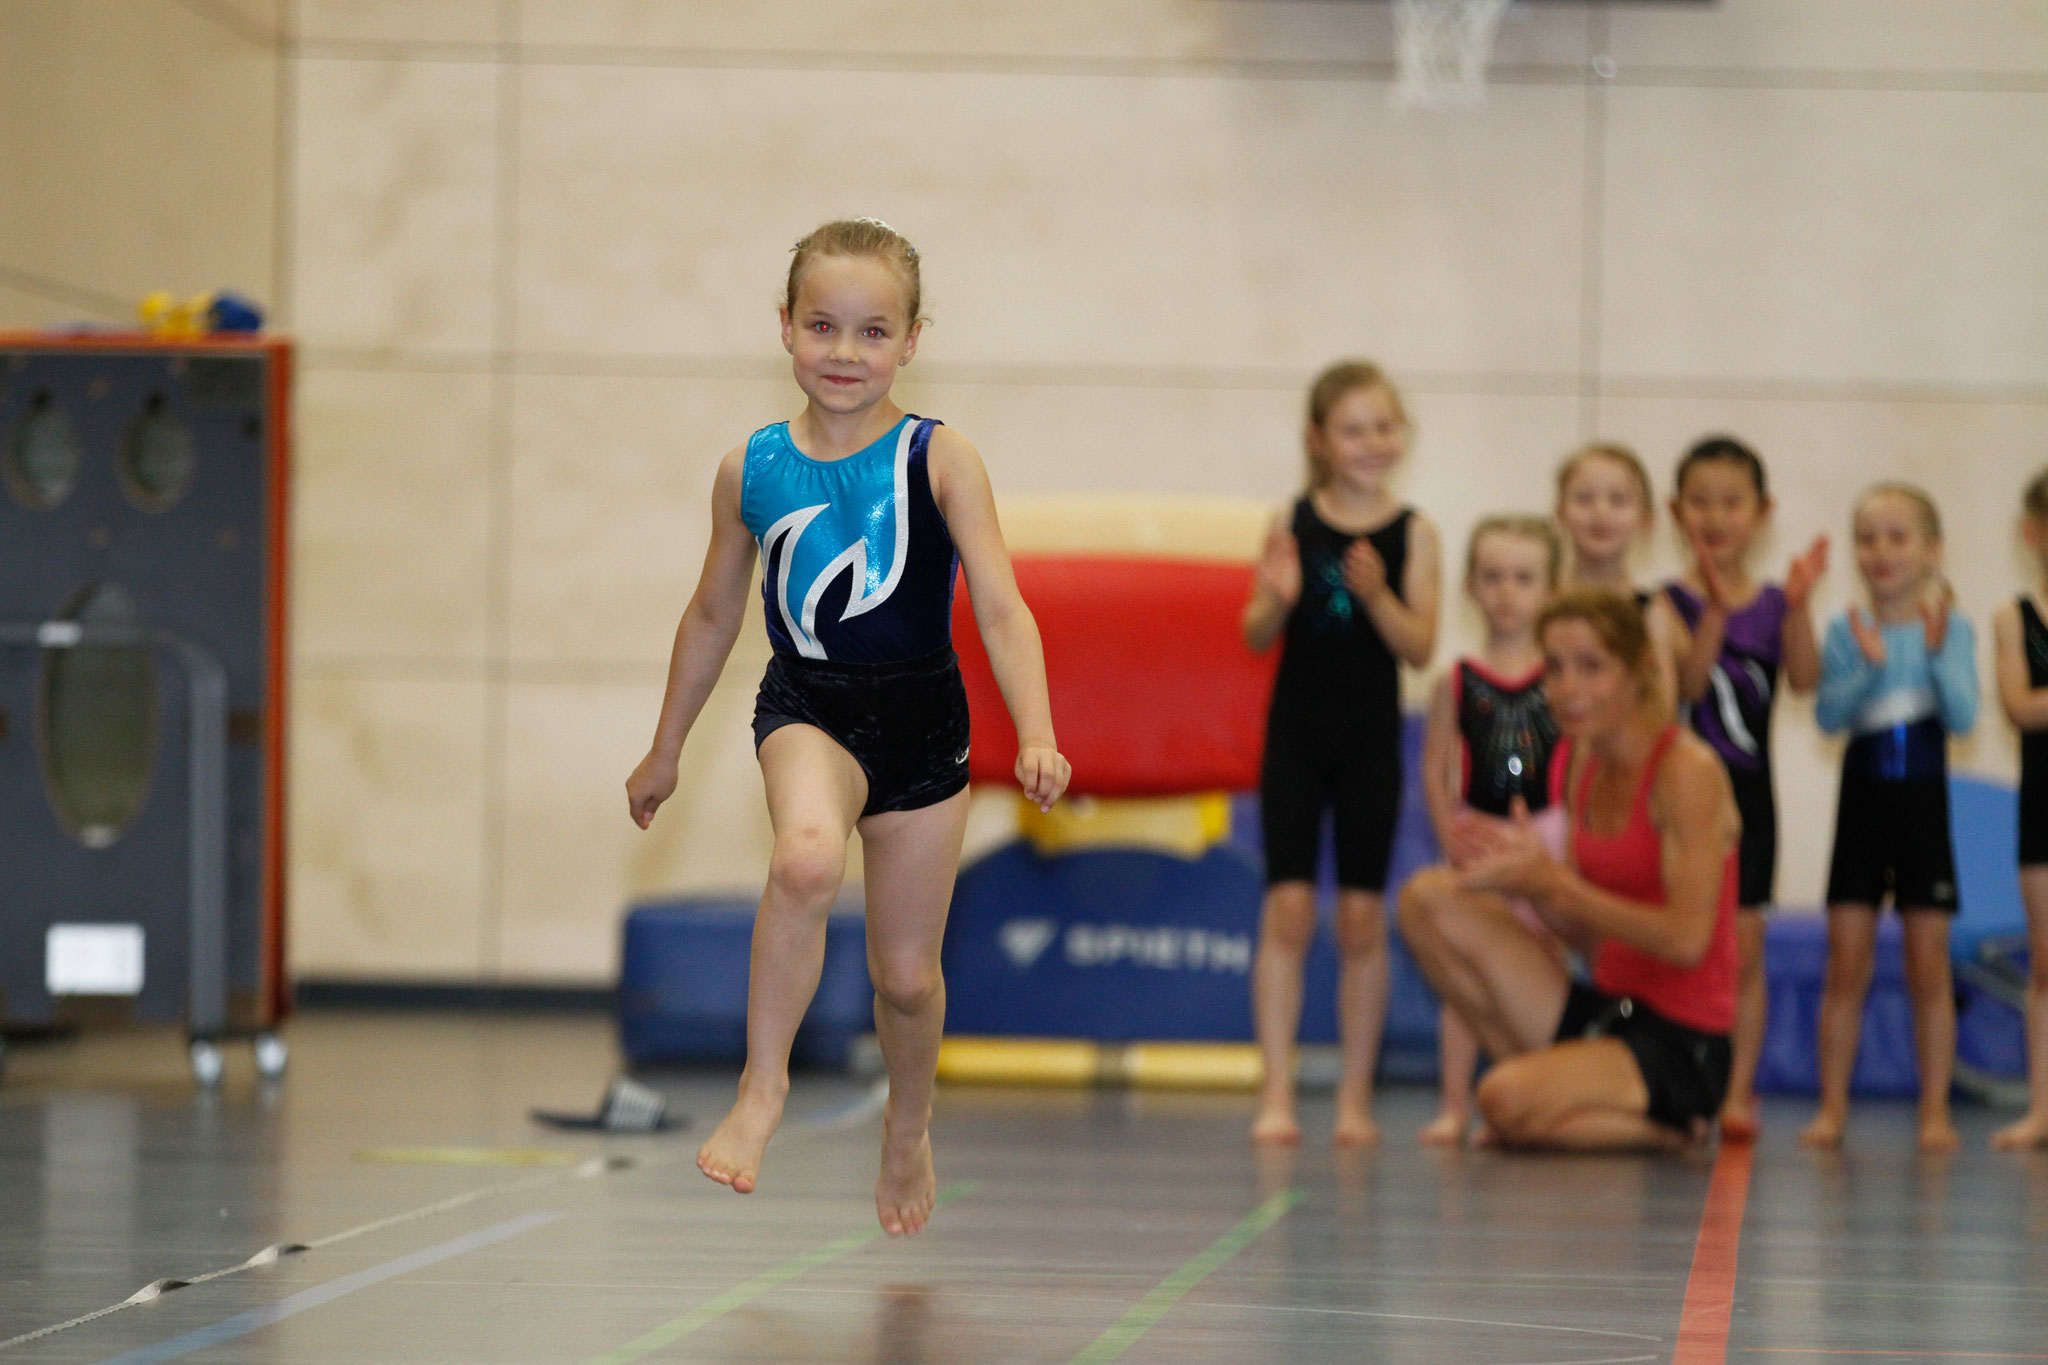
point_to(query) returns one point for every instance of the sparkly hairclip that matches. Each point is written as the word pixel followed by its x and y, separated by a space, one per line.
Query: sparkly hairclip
pixel 908 249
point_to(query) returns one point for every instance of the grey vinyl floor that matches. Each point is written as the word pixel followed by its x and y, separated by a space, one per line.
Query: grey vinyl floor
pixel 1076 1226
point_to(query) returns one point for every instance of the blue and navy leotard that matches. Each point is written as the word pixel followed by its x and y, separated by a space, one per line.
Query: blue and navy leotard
pixel 857 564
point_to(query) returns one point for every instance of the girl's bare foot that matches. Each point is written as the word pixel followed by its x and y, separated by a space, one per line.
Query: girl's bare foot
pixel 1937 1134
pixel 1825 1131
pixel 907 1186
pixel 1355 1127
pixel 1447 1129
pixel 2031 1131
pixel 732 1154
pixel 1276 1126
pixel 1739 1123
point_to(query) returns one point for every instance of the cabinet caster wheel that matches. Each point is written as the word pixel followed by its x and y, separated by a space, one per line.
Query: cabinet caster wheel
pixel 271 1056
pixel 207 1063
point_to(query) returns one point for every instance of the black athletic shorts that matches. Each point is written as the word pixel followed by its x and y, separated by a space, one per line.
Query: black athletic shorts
pixel 1892 837
pixel 904 722
pixel 2033 812
pixel 1686 1071
pixel 1354 776
pixel 1757 858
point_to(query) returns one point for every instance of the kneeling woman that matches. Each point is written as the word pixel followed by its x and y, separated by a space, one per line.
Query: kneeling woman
pixel 1639 1059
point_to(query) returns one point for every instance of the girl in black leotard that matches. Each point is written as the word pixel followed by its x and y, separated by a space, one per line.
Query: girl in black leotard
pixel 1349 579
pixel 1488 746
pixel 2022 649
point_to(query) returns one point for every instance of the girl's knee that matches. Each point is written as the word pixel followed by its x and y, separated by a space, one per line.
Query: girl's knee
pixel 1850 967
pixel 806 867
pixel 906 986
pixel 1289 923
pixel 1361 929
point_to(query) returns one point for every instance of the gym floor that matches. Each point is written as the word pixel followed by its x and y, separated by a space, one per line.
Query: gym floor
pixel 447 1227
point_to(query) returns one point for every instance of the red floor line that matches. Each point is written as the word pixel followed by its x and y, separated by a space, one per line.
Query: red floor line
pixel 1890 1355
pixel 1710 1289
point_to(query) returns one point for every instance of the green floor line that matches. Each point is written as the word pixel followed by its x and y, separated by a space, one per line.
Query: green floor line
pixel 749 1290
pixel 1171 1290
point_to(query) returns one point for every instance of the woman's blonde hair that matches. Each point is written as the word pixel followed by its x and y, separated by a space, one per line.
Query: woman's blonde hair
pixel 1542 530
pixel 1616 621
pixel 1331 388
pixel 1607 450
pixel 870 237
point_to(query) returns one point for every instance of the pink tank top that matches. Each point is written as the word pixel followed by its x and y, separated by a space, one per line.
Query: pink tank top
pixel 1631 864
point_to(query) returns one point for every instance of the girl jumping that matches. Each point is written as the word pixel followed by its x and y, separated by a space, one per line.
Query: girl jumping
pixel 861 514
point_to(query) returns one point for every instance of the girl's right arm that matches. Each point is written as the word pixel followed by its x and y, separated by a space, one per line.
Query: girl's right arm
pixel 1440 741
pixel 1848 677
pixel 1276 586
pixel 1670 641
pixel 2025 705
pixel 1701 649
pixel 704 638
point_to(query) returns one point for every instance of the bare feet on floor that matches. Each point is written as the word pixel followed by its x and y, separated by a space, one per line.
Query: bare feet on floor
pixel 732 1154
pixel 1739 1123
pixel 2031 1131
pixel 907 1186
pixel 1276 1125
pixel 1355 1127
pixel 1937 1134
pixel 1447 1129
pixel 1824 1132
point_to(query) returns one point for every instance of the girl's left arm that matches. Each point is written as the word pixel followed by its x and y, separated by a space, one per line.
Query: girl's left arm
pixel 1407 620
pixel 1800 647
pixel 1953 672
pixel 1798 642
pixel 960 487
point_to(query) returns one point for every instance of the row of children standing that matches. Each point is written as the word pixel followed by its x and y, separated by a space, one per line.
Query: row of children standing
pixel 1349 582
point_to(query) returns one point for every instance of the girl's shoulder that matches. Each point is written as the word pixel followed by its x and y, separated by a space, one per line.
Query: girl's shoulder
pixel 2010 616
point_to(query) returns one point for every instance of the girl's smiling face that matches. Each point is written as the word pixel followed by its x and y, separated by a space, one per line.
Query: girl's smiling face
pixel 1362 438
pixel 1719 509
pixel 1602 508
pixel 849 332
pixel 1894 553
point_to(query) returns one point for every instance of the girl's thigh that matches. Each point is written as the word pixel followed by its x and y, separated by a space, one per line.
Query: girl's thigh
pixel 812 783
pixel 911 858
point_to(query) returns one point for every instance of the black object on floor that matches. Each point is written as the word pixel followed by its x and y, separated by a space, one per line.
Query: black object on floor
pixel 627 1107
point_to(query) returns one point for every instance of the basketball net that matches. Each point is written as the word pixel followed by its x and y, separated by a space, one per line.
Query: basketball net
pixel 1443 47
